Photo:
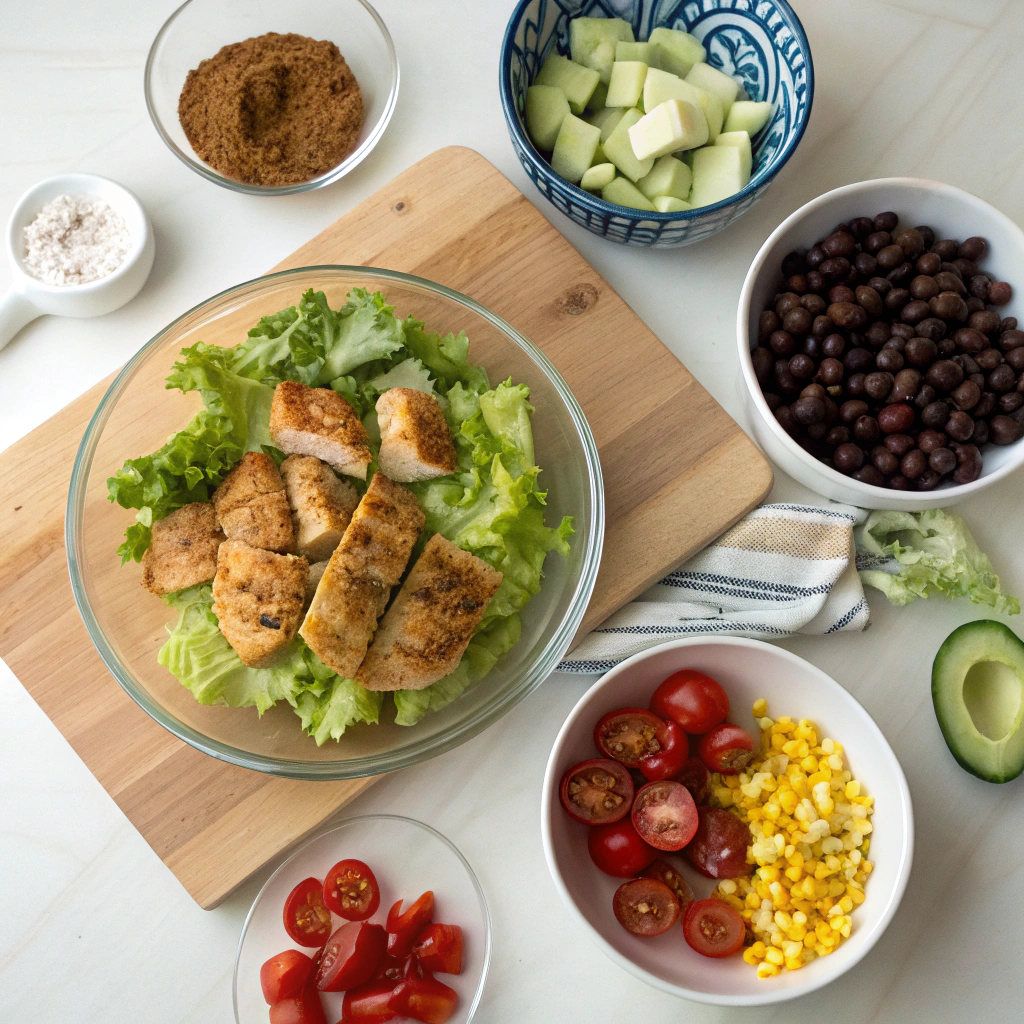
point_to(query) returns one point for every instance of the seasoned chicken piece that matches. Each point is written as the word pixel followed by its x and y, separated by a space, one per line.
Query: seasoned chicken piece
pixel 252 506
pixel 415 443
pixel 321 504
pixel 318 421
pixel 316 574
pixel 184 549
pixel 357 583
pixel 258 598
pixel 429 625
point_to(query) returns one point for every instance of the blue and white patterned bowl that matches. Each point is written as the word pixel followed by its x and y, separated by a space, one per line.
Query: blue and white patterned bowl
pixel 759 42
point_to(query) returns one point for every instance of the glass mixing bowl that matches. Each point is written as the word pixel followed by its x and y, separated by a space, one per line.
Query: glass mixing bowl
pixel 127 625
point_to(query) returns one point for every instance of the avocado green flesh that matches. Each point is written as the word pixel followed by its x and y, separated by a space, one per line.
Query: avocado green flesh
pixel 978 693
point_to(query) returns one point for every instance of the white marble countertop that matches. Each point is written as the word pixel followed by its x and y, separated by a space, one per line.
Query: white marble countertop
pixel 94 928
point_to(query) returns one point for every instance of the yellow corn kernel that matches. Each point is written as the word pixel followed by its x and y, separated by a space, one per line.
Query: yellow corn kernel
pixel 760 708
pixel 856 895
pixel 774 956
pixel 767 970
pixel 788 800
pixel 852 789
pixel 772 811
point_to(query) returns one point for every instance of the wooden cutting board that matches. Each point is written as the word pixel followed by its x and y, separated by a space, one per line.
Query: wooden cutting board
pixel 677 472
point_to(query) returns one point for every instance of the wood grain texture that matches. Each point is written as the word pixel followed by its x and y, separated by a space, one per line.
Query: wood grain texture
pixel 677 470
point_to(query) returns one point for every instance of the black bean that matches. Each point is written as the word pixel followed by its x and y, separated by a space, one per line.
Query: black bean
pixel 901 274
pixel 865 264
pixel 782 343
pixel 931 327
pixel 969 463
pixel 763 364
pixel 929 440
pixel 802 366
pixel 814 257
pixel 852 409
pixel 814 304
pixel 785 302
pixel 815 280
pixel 896 419
pixel 881 285
pixel 839 243
pixel 861 227
pixel 848 457
pixel 865 430
pixel 986 405
pixel 855 385
pixel 927 235
pixel 974 305
pixel 869 475
pixel 945 248
pixel 889 257
pixel 926 394
pixel 928 480
pixel 947 281
pixel 1009 340
pixel 797 321
pixel 886 221
pixel 966 395
pixel 980 435
pixel 831 372
pixel 946 348
pixel 967 268
pixel 898 482
pixel 922 287
pixel 1002 379
pixel 1000 293
pixel 793 263
pixel 898 444
pixel 808 410
pixel 967 339
pixel 896 299
pixel 960 426
pixel 985 320
pixel 768 323
pixel 913 464
pixel 911 242
pixel 837 436
pixel 920 352
pixel 1004 430
pixel 978 286
pixel 884 460
pixel 905 385
pixel 942 460
pixel 836 268
pixel 833 346
pixel 786 420
pixel 1011 402
pixel 928 263
pixel 915 311
pixel 943 375
pixel 1008 323
pixel 949 306
pixel 973 248
pixel 858 360
pixel 1015 359
pixel 935 414
pixel 988 359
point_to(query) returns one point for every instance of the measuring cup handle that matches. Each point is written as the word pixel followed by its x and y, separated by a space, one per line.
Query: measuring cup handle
pixel 15 312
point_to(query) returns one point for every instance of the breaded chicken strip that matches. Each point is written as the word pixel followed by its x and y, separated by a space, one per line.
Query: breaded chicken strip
pixel 252 506
pixel 321 505
pixel 184 549
pixel 415 443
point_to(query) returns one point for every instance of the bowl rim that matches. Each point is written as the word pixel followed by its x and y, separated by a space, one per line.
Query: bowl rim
pixel 340 827
pixel 592 533
pixel 339 171
pixel 599 206
pixel 902 499
pixel 768 996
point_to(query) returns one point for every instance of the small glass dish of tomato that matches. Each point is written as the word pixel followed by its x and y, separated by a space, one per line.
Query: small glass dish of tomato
pixel 401 859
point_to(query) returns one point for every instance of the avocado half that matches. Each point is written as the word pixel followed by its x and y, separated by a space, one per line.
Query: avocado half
pixel 978 693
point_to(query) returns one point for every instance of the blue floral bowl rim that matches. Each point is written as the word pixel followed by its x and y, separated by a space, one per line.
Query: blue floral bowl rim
pixel 600 206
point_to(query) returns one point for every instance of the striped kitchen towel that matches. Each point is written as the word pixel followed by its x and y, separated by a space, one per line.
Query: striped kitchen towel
pixel 782 569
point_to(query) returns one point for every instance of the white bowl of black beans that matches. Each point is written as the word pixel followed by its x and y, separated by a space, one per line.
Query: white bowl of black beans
pixel 880 354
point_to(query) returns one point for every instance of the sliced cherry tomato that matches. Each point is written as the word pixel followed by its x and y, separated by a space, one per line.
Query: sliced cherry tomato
pixel 665 815
pixel 618 850
pixel 727 749
pixel 692 699
pixel 645 907
pixel 351 956
pixel 669 760
pixel 628 735
pixel 713 928
pixel 425 999
pixel 285 975
pixel 306 920
pixel 403 928
pixel 351 890
pixel 439 948
pixel 696 778
pixel 719 847
pixel 368 1004
pixel 305 1008
pixel 663 871
pixel 597 791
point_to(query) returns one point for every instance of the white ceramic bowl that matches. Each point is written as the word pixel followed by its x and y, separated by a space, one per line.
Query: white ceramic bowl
pixel 953 213
pixel 748 669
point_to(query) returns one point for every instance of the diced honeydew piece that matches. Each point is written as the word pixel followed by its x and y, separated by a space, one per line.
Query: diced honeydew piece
pixel 599 157
pixel 747 116
pixel 595 178
pixel 704 76
pixel 574 148
pixel 625 193
pixel 741 140
pixel 577 82
pixel 607 120
pixel 619 149
pixel 598 97
pixel 677 51
pixel 627 83
pixel 546 109
pixel 717 174
pixel 592 42
pixel 660 86
pixel 670 126
pixel 647 52
pixel 669 204
pixel 668 177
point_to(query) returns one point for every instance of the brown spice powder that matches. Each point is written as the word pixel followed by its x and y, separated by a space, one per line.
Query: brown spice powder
pixel 272 110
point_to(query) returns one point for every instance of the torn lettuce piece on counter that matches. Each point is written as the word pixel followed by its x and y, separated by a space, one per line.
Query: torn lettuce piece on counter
pixel 934 553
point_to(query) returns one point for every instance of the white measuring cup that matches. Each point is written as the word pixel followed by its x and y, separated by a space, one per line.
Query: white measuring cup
pixel 29 297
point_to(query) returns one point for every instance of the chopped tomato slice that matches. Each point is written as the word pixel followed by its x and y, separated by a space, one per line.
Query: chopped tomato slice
pixel 306 920
pixel 305 1008
pixel 403 928
pixel 351 890
pixel 713 928
pixel 368 1004
pixel 665 815
pixel 424 999
pixel 285 975
pixel 645 907
pixel 351 956
pixel 628 735
pixel 597 792
pixel 439 948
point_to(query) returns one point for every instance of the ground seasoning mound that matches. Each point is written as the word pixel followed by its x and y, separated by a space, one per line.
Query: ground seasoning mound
pixel 273 110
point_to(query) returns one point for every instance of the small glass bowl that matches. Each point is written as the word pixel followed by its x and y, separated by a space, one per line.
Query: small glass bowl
pixel 199 28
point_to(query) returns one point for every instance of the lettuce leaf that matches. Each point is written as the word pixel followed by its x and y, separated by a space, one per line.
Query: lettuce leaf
pixel 447 358
pixel 936 555
pixel 344 703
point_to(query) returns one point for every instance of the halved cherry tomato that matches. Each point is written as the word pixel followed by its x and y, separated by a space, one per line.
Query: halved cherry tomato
pixel 597 791
pixel 403 928
pixel 713 928
pixel 645 907
pixel 351 956
pixel 669 760
pixel 618 850
pixel 692 699
pixel 727 749
pixel 306 920
pixel 439 948
pixel 719 847
pixel 663 871
pixel 696 778
pixel 628 735
pixel 285 975
pixel 351 890
pixel 425 999
pixel 368 1004
pixel 305 1008
pixel 665 815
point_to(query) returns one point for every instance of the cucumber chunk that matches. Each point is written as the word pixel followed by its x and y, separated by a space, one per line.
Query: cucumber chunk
pixel 595 178
pixel 627 83
pixel 592 42
pixel 598 97
pixel 546 109
pixel 677 51
pixel 741 140
pixel 978 694
pixel 574 148
pixel 714 112
pixel 668 177
pixel 662 85
pixel 669 204
pixel 619 149
pixel 646 52
pixel 670 126
pixel 607 120
pixel 704 76
pixel 624 193
pixel 749 117
pixel 577 82
pixel 717 174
